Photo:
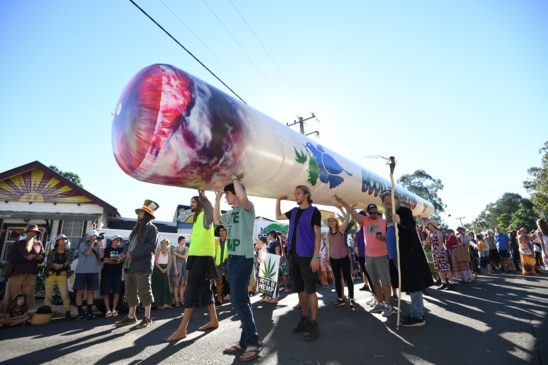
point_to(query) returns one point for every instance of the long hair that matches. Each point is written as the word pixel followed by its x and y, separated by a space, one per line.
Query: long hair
pixel 199 208
pixel 337 228
pixel 306 190
pixel 543 226
pixel 139 228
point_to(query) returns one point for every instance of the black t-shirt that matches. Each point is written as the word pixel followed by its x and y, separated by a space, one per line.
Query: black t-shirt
pixel 112 253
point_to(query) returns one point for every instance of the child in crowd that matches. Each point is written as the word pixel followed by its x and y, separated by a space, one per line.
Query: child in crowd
pixel 18 312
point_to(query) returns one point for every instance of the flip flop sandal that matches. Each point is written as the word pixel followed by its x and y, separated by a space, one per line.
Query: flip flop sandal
pixel 253 356
pixel 234 349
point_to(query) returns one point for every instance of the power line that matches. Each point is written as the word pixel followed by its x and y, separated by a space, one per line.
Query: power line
pixel 187 51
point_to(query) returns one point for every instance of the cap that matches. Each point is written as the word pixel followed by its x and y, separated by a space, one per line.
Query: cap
pixel 372 206
pixel 92 233
pixel 385 193
pixel 149 206
pixel 116 237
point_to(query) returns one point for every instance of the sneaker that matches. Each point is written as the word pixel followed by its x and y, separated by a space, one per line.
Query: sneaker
pixel 81 316
pixel 352 303
pixel 90 316
pixel 108 314
pixel 379 308
pixel 126 321
pixel 68 316
pixel 372 302
pixel 144 323
pixel 412 322
pixel 450 287
pixel 395 298
pixel 388 311
pixel 302 326
pixel 340 303
pixel 313 332
pixel 442 286
pixel 365 288
pixel 115 313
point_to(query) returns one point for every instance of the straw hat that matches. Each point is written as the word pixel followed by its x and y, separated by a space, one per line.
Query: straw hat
pixel 332 216
pixel 432 222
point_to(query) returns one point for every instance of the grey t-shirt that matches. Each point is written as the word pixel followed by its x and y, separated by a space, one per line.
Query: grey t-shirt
pixel 87 264
pixel 239 225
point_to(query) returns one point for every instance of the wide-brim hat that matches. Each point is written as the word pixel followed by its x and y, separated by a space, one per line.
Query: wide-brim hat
pixel 61 237
pixel 32 227
pixel 149 206
pixel 432 222
pixel 332 216
pixel 39 319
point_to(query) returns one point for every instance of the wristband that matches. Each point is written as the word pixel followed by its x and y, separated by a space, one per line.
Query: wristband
pixel 235 177
pixel 315 257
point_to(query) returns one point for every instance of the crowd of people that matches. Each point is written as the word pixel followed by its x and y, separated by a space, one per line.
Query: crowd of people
pixel 388 252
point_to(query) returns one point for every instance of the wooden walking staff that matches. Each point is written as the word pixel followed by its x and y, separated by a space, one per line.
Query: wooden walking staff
pixel 392 164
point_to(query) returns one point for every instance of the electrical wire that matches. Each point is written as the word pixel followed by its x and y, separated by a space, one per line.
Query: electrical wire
pixel 187 51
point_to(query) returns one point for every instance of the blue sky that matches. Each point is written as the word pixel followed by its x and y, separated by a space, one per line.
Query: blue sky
pixel 456 88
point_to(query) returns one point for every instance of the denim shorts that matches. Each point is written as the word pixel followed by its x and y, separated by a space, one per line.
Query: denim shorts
pixel 86 281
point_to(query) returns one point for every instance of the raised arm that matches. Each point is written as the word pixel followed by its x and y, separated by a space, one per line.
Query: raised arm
pixel 346 216
pixel 279 214
pixel 349 209
pixel 240 193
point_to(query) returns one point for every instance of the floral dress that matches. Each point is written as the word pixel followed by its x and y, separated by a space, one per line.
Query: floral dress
pixel 439 254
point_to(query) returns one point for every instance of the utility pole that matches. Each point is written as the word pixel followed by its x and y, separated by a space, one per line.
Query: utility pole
pixel 460 219
pixel 301 121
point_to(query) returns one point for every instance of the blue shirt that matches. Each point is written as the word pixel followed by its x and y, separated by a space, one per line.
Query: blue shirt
pixel 391 242
pixel 502 240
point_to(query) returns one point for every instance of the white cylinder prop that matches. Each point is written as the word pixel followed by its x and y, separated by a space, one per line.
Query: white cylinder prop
pixel 171 128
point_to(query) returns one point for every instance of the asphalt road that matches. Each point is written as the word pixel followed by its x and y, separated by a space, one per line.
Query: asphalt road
pixel 499 319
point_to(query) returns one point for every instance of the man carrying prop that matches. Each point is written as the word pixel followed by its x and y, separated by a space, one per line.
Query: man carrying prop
pixel 303 244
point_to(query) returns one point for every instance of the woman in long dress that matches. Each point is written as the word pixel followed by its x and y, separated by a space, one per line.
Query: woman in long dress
pixel 179 271
pixel 160 276
pixel 526 253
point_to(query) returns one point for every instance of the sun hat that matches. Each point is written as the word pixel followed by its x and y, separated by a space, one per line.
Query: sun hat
pixel 432 222
pixel 332 216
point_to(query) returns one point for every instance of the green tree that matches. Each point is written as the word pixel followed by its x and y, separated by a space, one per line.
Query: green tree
pixel 70 176
pixel 510 212
pixel 426 187
pixel 537 185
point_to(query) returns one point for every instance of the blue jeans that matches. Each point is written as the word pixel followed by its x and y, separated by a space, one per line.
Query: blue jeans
pixel 238 273
pixel 417 305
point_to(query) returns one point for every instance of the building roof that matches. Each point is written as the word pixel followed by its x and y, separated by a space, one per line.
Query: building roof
pixel 37 183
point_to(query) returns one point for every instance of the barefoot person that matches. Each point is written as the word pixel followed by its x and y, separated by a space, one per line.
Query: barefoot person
pixel 239 222
pixel 200 266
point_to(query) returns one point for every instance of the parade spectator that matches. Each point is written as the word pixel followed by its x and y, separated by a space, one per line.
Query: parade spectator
pixel 376 255
pixel 502 242
pixel 542 232
pixel 25 254
pixel 284 264
pixel 474 256
pixel 57 272
pixel 139 263
pixel 415 272
pixel 160 276
pixel 274 248
pixel 514 248
pixel 239 222
pixel 304 257
pixel 221 255
pixel 527 256
pixel 494 257
pixel 483 253
pixel 17 313
pixel 90 254
pixel 461 269
pixel 339 258
pixel 179 254
pixel 326 271
pixel 201 267
pixel 439 255
pixel 111 276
